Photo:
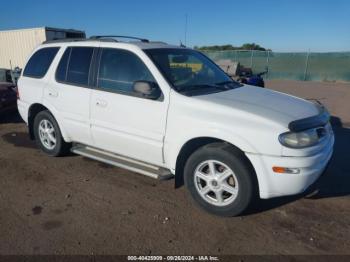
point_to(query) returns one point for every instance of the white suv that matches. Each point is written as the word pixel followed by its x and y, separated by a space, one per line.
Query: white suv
pixel 168 111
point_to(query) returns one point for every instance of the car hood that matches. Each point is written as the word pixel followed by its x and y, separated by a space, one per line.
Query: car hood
pixel 275 106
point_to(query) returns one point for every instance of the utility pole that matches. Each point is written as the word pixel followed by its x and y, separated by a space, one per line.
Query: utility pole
pixel 267 64
pixel 251 58
pixel 306 64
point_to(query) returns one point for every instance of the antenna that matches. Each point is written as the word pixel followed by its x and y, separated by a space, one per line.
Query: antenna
pixel 186 18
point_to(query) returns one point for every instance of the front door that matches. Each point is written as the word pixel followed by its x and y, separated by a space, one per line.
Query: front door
pixel 121 121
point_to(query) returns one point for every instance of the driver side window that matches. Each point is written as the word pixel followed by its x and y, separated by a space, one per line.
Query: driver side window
pixel 119 69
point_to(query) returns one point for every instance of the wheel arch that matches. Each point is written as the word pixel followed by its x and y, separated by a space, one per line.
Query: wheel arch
pixel 35 109
pixel 194 144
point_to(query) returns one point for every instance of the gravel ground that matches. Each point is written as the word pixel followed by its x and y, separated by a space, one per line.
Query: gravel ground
pixel 73 205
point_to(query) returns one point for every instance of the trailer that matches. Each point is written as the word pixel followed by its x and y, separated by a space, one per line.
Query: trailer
pixel 17 45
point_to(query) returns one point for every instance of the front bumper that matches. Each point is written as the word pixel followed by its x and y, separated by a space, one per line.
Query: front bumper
pixel 273 184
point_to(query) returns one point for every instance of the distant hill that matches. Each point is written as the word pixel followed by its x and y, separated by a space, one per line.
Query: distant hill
pixel 246 46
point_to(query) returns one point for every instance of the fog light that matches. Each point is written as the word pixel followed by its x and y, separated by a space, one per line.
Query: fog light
pixel 286 170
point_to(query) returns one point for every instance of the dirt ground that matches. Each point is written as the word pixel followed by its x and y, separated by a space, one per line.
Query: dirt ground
pixel 73 205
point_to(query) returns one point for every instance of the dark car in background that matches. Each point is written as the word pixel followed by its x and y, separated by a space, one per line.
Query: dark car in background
pixel 8 90
pixel 5 75
pixel 10 76
pixel 8 97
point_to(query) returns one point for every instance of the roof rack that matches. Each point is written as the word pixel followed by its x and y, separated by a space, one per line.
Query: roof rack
pixel 95 37
pixel 64 40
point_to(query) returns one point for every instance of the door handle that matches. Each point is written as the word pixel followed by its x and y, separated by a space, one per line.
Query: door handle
pixel 101 103
pixel 53 93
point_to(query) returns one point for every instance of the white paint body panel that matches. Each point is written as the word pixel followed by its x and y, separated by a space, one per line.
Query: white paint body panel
pixel 71 104
pixel 128 125
pixel 250 118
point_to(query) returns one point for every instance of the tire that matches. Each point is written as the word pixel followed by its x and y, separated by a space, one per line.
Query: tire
pixel 48 135
pixel 224 159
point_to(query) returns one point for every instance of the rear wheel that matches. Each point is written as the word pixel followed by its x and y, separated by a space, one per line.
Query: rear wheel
pixel 220 180
pixel 48 135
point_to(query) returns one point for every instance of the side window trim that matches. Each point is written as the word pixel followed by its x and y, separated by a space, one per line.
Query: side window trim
pixel 97 73
pixel 94 67
pixel 98 65
pixel 67 65
pixel 69 49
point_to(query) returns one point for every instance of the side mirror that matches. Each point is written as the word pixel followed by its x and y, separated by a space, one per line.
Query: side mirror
pixel 147 89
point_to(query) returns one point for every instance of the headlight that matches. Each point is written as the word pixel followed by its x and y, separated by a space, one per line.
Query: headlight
pixel 300 139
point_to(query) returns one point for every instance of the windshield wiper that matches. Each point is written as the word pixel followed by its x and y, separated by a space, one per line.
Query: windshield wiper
pixel 224 83
pixel 229 83
pixel 196 87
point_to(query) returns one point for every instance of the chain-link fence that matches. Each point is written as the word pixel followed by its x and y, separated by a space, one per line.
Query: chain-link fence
pixel 311 66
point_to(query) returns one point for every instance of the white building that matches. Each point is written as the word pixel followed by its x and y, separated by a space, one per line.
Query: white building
pixel 17 45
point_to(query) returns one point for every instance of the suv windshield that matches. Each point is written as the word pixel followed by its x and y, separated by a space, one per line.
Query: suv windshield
pixel 190 71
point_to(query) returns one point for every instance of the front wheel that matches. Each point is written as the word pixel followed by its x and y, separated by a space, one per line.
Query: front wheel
pixel 48 135
pixel 220 179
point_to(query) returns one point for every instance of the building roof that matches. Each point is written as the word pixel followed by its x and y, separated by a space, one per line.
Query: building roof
pixel 45 28
pixel 63 30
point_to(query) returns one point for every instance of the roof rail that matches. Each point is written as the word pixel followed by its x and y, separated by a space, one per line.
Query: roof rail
pixel 64 40
pixel 119 36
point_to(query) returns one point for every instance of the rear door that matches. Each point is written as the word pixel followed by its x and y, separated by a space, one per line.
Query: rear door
pixel 122 122
pixel 69 92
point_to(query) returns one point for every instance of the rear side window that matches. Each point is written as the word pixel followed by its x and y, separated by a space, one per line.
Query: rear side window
pixel 74 66
pixel 40 62
pixel 61 72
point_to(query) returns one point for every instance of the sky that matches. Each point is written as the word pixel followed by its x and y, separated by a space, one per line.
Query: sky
pixel 281 25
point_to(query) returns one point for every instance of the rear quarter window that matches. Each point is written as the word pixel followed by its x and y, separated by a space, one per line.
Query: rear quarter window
pixel 40 62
